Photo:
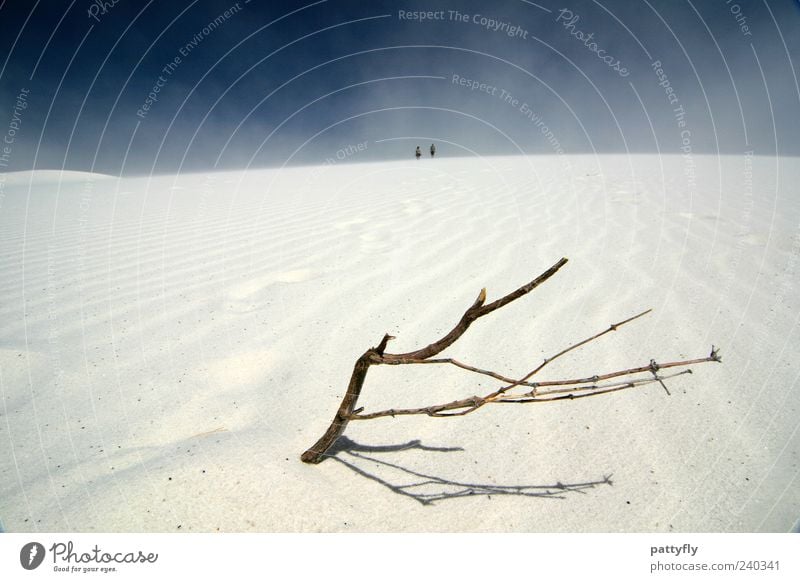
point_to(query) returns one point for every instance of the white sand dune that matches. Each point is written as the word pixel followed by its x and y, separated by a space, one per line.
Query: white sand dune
pixel 170 345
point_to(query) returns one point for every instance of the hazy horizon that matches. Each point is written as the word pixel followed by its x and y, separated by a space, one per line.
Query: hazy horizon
pixel 351 162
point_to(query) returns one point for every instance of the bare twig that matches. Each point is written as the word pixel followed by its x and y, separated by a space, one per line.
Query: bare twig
pixel 567 389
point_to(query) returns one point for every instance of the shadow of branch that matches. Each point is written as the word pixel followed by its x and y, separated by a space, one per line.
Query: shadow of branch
pixel 428 489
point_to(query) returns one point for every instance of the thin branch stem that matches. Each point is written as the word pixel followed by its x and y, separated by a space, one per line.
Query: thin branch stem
pixel 577 389
pixel 647 368
pixel 463 366
pixel 396 360
pixel 612 327
pixel 476 310
pixel 588 387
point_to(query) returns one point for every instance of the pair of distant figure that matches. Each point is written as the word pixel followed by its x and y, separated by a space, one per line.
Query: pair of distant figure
pixel 418 153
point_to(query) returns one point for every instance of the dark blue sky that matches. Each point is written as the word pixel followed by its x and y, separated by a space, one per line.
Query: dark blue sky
pixel 263 83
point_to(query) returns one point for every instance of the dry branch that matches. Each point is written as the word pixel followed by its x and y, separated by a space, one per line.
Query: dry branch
pixel 567 389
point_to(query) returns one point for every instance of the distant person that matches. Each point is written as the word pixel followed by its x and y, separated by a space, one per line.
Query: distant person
pixel 418 153
pixel 433 150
